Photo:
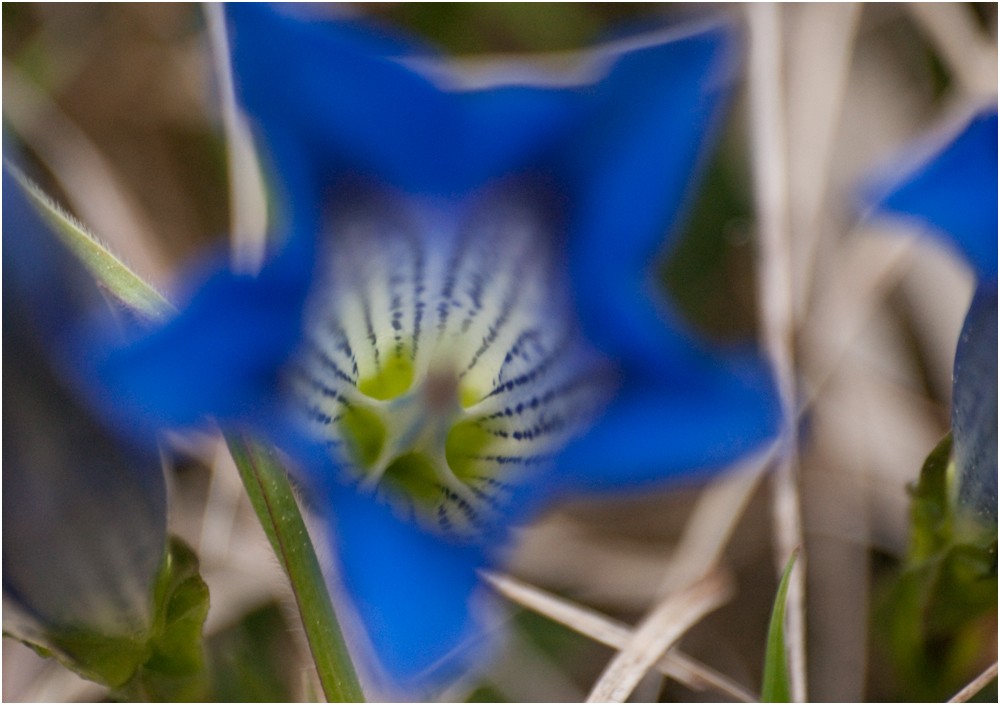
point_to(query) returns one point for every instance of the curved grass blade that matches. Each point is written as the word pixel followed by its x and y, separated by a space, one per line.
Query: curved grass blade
pixel 110 272
pixel 776 688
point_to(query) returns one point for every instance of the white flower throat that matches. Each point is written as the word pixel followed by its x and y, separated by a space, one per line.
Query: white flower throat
pixel 442 364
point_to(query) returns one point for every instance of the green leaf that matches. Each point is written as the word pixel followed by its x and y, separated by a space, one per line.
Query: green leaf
pixel 274 501
pixel 111 273
pixel 776 688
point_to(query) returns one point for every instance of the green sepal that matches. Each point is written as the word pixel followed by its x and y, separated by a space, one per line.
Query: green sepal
pixel 933 618
pixel 175 669
pixel 110 661
pixel 124 285
pixel 166 661
pixel 776 687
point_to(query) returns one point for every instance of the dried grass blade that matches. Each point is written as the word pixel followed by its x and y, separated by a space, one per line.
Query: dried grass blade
pixel 980 682
pixel 769 141
pixel 685 669
pixel 675 664
pixel 719 508
pixel 658 631
pixel 953 29
pixel 247 196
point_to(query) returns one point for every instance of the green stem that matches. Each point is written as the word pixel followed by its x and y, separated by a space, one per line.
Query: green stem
pixel 276 507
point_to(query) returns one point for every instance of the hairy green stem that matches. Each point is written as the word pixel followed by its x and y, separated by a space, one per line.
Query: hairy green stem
pixel 276 507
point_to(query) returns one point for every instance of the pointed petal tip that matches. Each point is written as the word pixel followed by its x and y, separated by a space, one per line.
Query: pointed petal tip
pixel 947 184
pixel 418 596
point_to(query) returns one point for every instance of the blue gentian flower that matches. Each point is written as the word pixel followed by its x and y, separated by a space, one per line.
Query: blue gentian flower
pixel 461 319
pixel 952 194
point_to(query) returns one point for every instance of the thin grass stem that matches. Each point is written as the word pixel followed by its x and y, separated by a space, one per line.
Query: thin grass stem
pixel 769 140
pixel 247 196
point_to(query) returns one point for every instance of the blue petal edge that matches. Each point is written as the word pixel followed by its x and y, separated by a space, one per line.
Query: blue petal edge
pixel 659 429
pixel 955 191
pixel 415 593
pixel 222 356
pixel 359 110
pixel 632 169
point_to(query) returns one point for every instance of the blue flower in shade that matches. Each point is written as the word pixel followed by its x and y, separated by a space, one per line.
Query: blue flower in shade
pixel 462 319
pixel 953 194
